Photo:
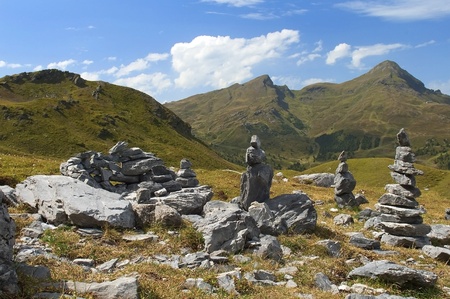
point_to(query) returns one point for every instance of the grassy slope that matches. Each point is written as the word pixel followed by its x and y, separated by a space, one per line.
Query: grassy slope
pixel 60 119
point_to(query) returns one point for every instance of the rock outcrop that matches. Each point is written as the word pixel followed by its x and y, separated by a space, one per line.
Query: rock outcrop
pixel 8 276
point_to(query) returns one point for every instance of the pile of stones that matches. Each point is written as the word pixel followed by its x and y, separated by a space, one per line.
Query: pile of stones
pixel 344 183
pixel 124 169
pixel 400 217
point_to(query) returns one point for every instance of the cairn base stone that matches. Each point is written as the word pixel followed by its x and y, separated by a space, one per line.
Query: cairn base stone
pixel 255 185
pixel 403 241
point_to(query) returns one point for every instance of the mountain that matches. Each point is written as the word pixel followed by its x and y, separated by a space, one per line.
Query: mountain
pixel 58 114
pixel 317 122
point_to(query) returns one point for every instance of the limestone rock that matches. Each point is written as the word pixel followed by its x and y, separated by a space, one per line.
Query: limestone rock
pixel 64 200
pixel 395 273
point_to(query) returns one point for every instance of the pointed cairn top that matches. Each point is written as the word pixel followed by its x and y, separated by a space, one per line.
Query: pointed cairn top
pixel 402 138
pixel 343 156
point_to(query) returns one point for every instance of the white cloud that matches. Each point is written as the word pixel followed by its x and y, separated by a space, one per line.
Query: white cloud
pixel 95 76
pixel 61 64
pixel 340 51
pixel 402 10
pixel 425 44
pixel 309 57
pixel 259 16
pixel 111 58
pixel 319 46
pixel 38 68
pixel 236 3
pixel 374 50
pixel 10 65
pixel 87 62
pixel 443 86
pixel 151 84
pixel 222 60
pixel 359 53
pixel 315 80
pixel 140 64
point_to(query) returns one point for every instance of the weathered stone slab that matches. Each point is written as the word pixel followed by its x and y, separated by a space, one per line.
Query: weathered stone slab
pixel 438 253
pixel 403 212
pixel 403 241
pixel 64 200
pixel 400 219
pixel 317 179
pixel 405 154
pixel 395 273
pixel 405 229
pixel 440 234
pixel 403 179
pixel 404 191
pixel 399 201
pixel 137 167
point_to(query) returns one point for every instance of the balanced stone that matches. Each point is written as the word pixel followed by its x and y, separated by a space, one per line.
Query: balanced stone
pixel 344 183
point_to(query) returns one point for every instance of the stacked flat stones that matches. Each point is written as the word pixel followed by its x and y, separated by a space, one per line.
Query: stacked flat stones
pixel 400 217
pixel 186 176
pixel 123 170
pixel 344 183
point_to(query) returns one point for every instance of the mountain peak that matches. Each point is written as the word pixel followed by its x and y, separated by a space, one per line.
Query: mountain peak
pixel 49 76
pixel 263 80
pixel 390 73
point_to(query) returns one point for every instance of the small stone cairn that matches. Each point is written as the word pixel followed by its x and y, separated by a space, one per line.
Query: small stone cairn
pixel 125 170
pixel 344 183
pixel 400 217
pixel 257 180
pixel 186 176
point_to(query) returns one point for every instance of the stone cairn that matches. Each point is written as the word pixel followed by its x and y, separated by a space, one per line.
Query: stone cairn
pixel 400 217
pixel 186 176
pixel 344 183
pixel 257 180
pixel 125 170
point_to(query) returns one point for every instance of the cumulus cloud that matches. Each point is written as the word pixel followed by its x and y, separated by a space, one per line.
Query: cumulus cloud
pixel 10 65
pixel 340 51
pixel 236 3
pixel 359 53
pixel 87 62
pixel 38 68
pixel 140 64
pixel 61 64
pixel 152 84
pixel 219 61
pixel 402 10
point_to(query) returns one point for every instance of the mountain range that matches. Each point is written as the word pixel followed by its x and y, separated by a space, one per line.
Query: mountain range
pixel 302 127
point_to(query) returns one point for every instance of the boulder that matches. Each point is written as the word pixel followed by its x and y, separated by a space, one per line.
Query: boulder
pixel 317 179
pixel 267 223
pixel 296 209
pixel 438 253
pixel 64 200
pixel 188 200
pixel 226 227
pixel 439 234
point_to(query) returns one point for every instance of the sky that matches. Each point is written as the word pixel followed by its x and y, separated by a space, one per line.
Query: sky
pixel 173 49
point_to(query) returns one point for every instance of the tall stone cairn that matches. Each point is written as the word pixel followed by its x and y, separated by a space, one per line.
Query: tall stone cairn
pixel 400 217
pixel 344 183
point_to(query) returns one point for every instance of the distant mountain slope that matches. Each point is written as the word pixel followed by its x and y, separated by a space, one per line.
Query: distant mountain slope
pixel 361 116
pixel 58 114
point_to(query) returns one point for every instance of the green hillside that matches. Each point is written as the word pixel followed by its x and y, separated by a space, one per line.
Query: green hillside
pixel 58 114
pixel 361 116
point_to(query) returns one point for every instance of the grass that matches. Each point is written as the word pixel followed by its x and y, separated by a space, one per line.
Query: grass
pixel 160 281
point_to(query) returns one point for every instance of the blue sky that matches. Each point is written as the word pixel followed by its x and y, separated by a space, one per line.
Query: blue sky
pixel 174 49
